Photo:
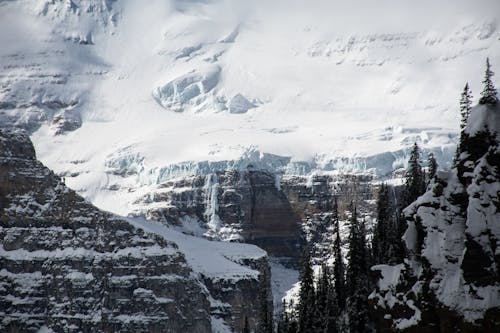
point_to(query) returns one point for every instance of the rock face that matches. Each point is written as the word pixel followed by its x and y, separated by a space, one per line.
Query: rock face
pixel 450 281
pixel 231 205
pixel 276 213
pixel 69 267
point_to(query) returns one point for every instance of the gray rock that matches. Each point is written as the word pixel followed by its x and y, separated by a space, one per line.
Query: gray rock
pixel 72 268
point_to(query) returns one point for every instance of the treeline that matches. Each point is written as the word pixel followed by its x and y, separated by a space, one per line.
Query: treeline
pixel 336 299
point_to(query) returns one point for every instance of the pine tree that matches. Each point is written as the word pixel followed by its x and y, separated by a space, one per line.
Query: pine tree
pixel 415 183
pixel 306 308
pixel 338 266
pixel 432 165
pixel 489 93
pixel 380 241
pixel 465 106
pixel 321 298
pixel 465 109
pixel 357 277
pixel 288 320
pixel 265 324
pixel 332 309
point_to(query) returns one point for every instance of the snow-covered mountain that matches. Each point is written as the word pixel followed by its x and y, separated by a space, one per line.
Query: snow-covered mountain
pixel 127 94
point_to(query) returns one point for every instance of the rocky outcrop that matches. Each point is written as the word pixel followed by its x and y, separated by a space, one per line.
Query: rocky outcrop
pixel 231 205
pixel 69 267
pixel 237 299
pixel 450 280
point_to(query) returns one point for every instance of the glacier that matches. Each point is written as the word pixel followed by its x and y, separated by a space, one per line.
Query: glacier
pixel 117 101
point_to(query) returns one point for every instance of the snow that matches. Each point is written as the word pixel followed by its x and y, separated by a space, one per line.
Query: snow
pixel 481 115
pixel 219 325
pixel 390 275
pixel 208 59
pixel 212 205
pixel 239 104
pixel 283 280
pixel 212 259
pixel 404 323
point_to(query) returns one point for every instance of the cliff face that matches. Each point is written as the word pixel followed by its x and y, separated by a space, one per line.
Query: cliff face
pixel 450 281
pixel 70 267
pixel 276 213
pixel 230 205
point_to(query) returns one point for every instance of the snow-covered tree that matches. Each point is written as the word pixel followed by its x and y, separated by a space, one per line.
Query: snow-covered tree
pixel 380 241
pixel 465 105
pixel 307 302
pixel 489 93
pixel 415 183
pixel 432 165
pixel 338 266
pixel 357 277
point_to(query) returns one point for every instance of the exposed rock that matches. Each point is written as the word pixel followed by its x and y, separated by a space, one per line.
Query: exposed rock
pixel 230 206
pixel 258 207
pixel 67 266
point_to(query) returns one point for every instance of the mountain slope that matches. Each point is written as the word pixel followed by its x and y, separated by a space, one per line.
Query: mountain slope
pixel 170 88
pixel 67 266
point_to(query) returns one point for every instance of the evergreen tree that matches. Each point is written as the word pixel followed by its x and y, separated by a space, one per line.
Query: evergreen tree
pixel 338 266
pixel 332 309
pixel 321 298
pixel 489 93
pixel 465 109
pixel 246 327
pixel 432 165
pixel 265 324
pixel 415 182
pixel 381 241
pixel 288 321
pixel 306 308
pixel 282 326
pixel 465 106
pixel 357 277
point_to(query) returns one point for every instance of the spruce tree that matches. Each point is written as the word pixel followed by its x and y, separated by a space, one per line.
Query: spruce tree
pixel 432 165
pixel 380 241
pixel 465 109
pixel 338 266
pixel 414 183
pixel 306 307
pixel 289 318
pixel 321 298
pixel 332 310
pixel 489 93
pixel 265 323
pixel 357 277
pixel 465 106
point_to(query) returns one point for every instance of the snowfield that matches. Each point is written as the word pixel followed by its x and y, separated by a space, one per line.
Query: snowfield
pixel 126 94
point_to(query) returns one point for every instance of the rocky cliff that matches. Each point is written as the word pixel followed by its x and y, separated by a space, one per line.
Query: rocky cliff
pixel 450 280
pixel 70 267
pixel 277 213
pixel 67 266
pixel 231 206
